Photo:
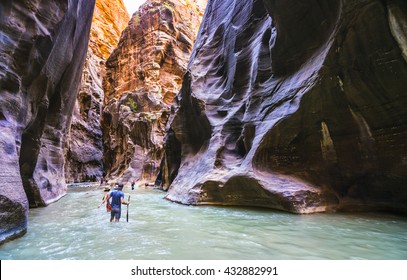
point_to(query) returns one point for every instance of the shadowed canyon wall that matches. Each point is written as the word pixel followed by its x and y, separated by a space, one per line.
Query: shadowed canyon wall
pixel 84 159
pixel 42 50
pixel 293 105
pixel 143 75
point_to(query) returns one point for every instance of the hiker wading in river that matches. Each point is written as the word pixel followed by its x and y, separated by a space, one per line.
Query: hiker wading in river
pixel 106 199
pixel 116 203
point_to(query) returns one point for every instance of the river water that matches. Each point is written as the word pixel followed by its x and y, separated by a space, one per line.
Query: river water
pixel 74 228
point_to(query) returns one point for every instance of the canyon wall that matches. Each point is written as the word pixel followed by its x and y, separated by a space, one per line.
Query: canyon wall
pixel 143 75
pixel 42 50
pixel 84 159
pixel 293 105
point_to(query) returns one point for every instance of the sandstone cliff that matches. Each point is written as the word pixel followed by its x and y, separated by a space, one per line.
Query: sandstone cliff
pixel 293 105
pixel 84 159
pixel 143 74
pixel 42 50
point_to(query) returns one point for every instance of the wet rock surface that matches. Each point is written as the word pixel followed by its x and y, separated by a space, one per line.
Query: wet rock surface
pixel 143 75
pixel 84 159
pixel 42 50
pixel 293 105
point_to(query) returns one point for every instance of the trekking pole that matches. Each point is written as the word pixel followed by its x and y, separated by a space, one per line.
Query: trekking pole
pixel 127 214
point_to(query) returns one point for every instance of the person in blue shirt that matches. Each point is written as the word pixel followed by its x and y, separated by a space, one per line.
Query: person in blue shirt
pixel 116 203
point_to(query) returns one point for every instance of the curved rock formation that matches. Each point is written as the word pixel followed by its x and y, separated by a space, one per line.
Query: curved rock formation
pixel 293 105
pixel 143 75
pixel 84 159
pixel 42 50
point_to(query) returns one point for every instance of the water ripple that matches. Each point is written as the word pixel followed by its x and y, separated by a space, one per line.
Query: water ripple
pixel 74 228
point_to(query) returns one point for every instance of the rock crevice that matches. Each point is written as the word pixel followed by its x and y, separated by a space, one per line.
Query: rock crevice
pixel 84 158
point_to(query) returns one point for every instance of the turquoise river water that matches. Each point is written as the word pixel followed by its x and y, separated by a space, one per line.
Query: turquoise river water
pixel 74 228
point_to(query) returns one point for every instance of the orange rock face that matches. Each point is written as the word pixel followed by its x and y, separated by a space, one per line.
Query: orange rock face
pixel 109 20
pixel 143 75
pixel 85 153
pixel 154 50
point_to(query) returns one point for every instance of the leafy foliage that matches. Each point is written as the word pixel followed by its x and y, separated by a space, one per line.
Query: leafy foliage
pixel 133 105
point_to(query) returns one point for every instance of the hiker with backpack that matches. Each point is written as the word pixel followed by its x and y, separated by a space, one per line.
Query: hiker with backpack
pixel 116 203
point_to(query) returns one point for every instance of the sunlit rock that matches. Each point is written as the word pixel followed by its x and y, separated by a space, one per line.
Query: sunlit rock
pixel 143 75
pixel 84 159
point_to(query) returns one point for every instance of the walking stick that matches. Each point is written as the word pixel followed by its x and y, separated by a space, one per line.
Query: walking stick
pixel 127 214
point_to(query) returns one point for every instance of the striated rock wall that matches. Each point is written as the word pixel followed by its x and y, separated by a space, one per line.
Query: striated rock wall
pixel 84 159
pixel 143 75
pixel 293 105
pixel 109 20
pixel 42 50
